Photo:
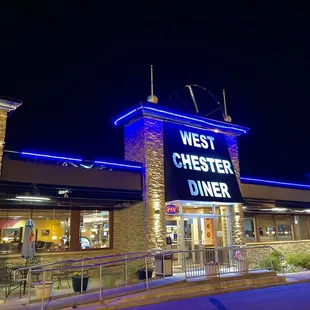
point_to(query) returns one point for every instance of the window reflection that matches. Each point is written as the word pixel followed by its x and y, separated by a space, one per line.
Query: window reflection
pixel 95 229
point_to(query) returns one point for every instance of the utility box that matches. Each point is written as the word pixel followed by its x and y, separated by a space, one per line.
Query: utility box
pixel 163 265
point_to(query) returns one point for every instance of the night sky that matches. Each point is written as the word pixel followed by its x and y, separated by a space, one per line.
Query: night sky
pixel 77 66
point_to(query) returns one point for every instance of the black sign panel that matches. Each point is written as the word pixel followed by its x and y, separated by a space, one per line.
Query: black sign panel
pixel 198 166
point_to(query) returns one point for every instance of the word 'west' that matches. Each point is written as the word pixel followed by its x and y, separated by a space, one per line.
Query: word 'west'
pixel 204 164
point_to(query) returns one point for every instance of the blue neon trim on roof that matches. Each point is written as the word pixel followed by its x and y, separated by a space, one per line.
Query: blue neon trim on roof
pixel 107 163
pixel 114 164
pixel 171 115
pixel 50 156
pixel 274 183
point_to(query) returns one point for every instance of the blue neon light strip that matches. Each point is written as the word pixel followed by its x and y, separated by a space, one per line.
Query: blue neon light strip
pixel 106 163
pixel 276 183
pixel 181 116
pixel 118 165
pixel 50 156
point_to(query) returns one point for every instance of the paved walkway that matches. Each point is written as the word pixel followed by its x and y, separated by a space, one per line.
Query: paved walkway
pixel 18 304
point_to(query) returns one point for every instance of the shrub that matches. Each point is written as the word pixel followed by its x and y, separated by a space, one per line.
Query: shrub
pixel 271 262
pixel 299 260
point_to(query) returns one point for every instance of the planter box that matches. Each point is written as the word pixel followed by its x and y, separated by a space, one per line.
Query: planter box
pixel 212 270
pixel 76 283
pixel 142 274
pixel 108 280
pixel 43 289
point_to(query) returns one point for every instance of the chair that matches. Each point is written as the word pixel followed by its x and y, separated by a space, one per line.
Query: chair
pixel 31 262
pixel 63 272
pixel 7 283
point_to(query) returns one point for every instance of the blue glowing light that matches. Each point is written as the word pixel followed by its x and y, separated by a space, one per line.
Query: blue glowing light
pixel 106 163
pixel 275 183
pixel 182 117
pixel 50 156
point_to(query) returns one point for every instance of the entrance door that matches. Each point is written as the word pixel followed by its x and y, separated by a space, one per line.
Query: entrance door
pixel 199 234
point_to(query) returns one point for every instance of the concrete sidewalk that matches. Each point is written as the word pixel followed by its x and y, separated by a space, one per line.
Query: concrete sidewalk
pixel 90 297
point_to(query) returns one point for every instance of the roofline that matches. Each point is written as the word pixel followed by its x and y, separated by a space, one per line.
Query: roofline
pixel 155 111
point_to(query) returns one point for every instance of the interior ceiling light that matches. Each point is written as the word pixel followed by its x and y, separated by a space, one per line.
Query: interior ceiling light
pixel 32 198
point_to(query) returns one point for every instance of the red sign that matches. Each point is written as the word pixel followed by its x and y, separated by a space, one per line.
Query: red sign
pixel 171 209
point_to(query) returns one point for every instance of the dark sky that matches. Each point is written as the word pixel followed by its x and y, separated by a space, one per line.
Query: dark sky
pixel 77 66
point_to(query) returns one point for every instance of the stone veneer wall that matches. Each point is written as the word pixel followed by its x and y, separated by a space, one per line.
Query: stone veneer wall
pixel 3 116
pixel 286 247
pixel 144 144
pixel 237 223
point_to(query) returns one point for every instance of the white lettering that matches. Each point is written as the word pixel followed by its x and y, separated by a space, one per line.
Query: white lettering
pixel 204 167
pixel 212 189
pixel 193 187
pixel 204 142
pixel 227 167
pixel 200 188
pixel 186 159
pixel 176 156
pixel 211 139
pixel 224 190
pixel 216 189
pixel 207 188
pixel 219 166
pixel 196 140
pixel 195 163
pixel 186 137
pixel 211 162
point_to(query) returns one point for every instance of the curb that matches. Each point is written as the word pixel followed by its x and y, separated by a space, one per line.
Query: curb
pixel 193 295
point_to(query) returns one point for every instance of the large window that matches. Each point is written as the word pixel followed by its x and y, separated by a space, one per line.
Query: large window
pixel 95 230
pixel 277 227
pixel 301 227
pixel 52 229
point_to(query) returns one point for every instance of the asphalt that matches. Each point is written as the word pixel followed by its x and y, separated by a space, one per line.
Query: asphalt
pixel 287 297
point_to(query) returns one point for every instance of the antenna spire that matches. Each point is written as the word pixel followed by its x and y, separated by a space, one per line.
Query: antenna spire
pixel 152 98
pixel 227 118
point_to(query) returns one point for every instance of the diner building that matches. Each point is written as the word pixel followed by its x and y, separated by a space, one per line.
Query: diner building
pixel 178 186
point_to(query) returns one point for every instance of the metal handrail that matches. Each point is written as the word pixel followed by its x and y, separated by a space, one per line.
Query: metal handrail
pixel 127 257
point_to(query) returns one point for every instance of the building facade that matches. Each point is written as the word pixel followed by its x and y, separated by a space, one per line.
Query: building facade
pixel 179 183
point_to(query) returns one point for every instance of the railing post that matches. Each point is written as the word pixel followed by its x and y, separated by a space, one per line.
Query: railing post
pixel 28 279
pixel 100 279
pixel 82 277
pixel 126 269
pixel 42 298
pixel 146 274
pixel 184 259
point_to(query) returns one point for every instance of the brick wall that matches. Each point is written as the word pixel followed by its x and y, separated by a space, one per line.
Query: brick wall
pixel 144 144
pixel 3 116
pixel 237 223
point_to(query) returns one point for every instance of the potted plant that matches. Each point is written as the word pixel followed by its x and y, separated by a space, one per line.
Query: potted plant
pixel 76 282
pixel 212 269
pixel 241 262
pixel 141 272
pixel 43 289
pixel 108 278
pixel 131 275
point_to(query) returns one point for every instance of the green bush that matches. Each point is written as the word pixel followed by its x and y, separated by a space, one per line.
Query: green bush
pixel 271 262
pixel 299 260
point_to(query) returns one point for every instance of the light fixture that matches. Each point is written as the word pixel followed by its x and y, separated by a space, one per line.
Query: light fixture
pixel 54 237
pixel 92 236
pixel 32 198
pixel 5 239
pixel 182 117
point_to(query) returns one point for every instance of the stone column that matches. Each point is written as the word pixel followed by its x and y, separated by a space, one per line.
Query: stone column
pixel 144 144
pixel 5 107
pixel 237 222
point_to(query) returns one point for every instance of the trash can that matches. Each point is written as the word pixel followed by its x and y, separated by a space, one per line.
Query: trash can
pixel 163 265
